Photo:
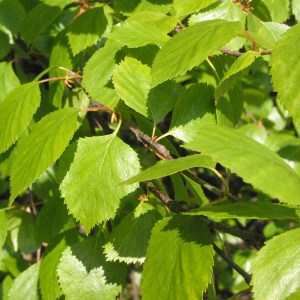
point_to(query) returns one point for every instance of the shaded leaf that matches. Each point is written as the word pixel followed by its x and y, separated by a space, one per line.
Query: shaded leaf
pixel 144 28
pixel 41 148
pixel 16 110
pixel 84 273
pixel 98 72
pixel 129 239
pixel 162 99
pixel 278 261
pixel 110 162
pixel 235 72
pixel 25 286
pixel 249 159
pixel 194 107
pixel 86 29
pixel 168 167
pixel 132 82
pixel 285 71
pixel 250 210
pixel 190 47
pixel 179 255
pixel 279 10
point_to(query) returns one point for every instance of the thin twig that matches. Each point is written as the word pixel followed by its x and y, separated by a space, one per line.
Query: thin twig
pixel 236 267
pixel 252 238
pixel 237 53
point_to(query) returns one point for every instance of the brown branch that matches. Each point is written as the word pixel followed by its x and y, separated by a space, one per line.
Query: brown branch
pixel 254 239
pixel 231 263
pixel 237 53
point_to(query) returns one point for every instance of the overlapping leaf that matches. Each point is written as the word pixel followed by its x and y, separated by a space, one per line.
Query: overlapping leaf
pixel 182 245
pixel 250 210
pixel 132 82
pixel 84 273
pixel 16 110
pixel 190 47
pixel 194 107
pixel 250 160
pixel 278 261
pixel 93 194
pixel 3 227
pixel 86 29
pixel 168 167
pixel 184 7
pixel 129 239
pixel 285 71
pixel 41 148
pixel 144 28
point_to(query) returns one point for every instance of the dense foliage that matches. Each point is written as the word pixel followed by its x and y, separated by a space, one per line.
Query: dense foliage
pixel 149 148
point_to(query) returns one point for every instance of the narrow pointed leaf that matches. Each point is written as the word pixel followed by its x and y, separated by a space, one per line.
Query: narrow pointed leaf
pixel 252 161
pixel 16 111
pixel 168 167
pixel 179 255
pixel 278 261
pixel 41 148
pixel 195 107
pixel 3 228
pixel 129 239
pixel 25 286
pixel 190 47
pixel 235 72
pixel 250 210
pixel 86 29
pixel 110 161
pixel 85 274
pixel 285 71
pixel 132 82
pixel 144 28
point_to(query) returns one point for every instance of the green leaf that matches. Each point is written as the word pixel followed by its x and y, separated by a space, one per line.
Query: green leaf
pixel 86 29
pixel 5 36
pixel 250 210
pixel 278 261
pixel 144 28
pixel 8 79
pixel 41 148
pixel 21 231
pixel 296 9
pixel 266 34
pixel 39 19
pixel 110 161
pixel 279 10
pixel 250 160
pixel 168 167
pixel 16 110
pixel 3 228
pixel 12 14
pixel 84 273
pixel 185 7
pixel 48 277
pixel 5 286
pixel 25 286
pixel 227 10
pixel 285 71
pixel 235 72
pixel 179 255
pixel 98 72
pixel 190 47
pixel 162 99
pixel 132 82
pixel 129 239
pixel 194 107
